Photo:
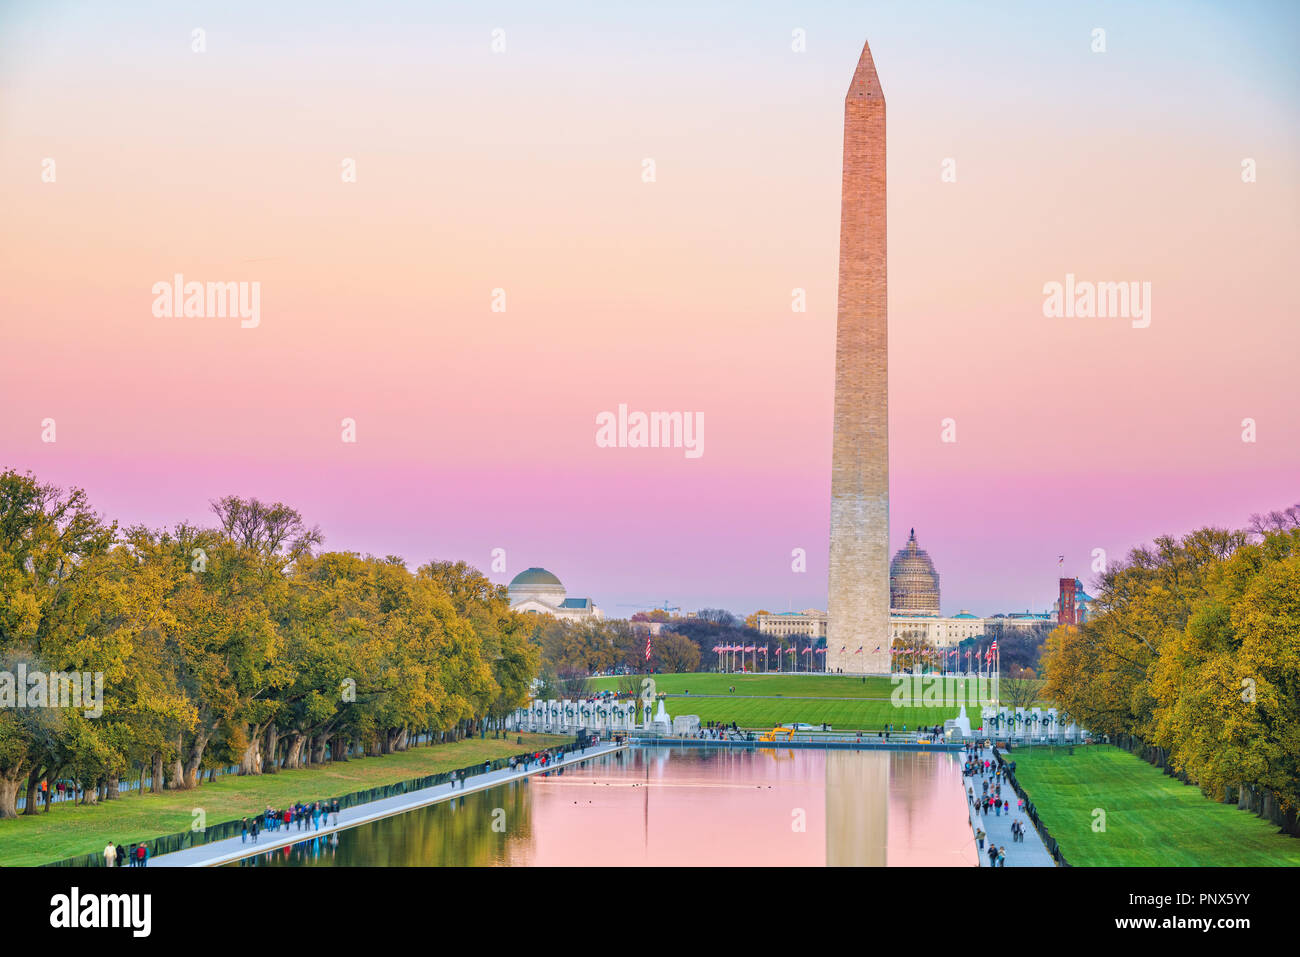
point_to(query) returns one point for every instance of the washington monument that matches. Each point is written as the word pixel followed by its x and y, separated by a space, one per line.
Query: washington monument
pixel 858 628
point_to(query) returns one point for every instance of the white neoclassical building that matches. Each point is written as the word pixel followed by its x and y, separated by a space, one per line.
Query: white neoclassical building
pixel 937 630
pixel 933 629
pixel 538 591
pixel 809 623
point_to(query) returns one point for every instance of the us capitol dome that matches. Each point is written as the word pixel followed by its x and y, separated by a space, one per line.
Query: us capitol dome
pixel 537 590
pixel 913 582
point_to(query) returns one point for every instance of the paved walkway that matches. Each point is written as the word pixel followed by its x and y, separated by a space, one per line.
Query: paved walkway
pixel 1027 853
pixel 232 849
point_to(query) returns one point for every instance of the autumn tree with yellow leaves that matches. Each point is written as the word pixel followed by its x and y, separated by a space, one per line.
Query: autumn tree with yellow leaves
pixel 1194 651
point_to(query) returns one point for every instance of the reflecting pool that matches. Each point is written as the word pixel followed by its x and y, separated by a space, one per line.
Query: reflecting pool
pixel 681 807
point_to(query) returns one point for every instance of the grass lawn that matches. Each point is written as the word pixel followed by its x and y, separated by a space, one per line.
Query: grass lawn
pixel 845 702
pixel 1151 819
pixel 68 830
pixel 790 686
pixel 842 715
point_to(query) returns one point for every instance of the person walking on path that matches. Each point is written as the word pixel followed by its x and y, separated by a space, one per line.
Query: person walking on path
pixel 121 855
pixel 110 855
pixel 243 831
pixel 979 836
pixel 335 810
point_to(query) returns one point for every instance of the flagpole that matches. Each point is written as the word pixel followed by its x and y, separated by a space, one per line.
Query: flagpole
pixel 997 657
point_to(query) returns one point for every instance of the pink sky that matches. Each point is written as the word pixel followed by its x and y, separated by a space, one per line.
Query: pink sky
pixel 523 171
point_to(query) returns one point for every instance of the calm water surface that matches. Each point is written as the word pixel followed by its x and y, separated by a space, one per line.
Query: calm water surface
pixel 681 807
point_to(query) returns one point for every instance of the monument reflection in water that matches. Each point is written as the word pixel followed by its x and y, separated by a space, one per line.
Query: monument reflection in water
pixel 682 807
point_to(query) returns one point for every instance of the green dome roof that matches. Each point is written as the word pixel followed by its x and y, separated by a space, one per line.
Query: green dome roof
pixel 534 576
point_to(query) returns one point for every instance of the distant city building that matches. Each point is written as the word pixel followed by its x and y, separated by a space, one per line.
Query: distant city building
pixel 1074 603
pixel 913 582
pixel 809 623
pixel 1021 620
pixel 931 629
pixel 537 590
pixel 938 631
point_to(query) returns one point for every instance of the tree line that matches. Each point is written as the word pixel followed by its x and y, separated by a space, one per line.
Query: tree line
pixel 240 644
pixel 1193 658
pixel 572 651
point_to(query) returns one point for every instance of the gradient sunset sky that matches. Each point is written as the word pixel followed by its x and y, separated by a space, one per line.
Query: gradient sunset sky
pixel 522 170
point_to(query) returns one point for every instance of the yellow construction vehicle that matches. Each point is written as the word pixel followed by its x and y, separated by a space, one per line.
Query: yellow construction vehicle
pixel 771 735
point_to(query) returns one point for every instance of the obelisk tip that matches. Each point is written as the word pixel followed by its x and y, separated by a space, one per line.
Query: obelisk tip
pixel 866 84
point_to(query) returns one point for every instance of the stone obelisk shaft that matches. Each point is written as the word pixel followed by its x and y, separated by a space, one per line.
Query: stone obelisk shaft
pixel 858 629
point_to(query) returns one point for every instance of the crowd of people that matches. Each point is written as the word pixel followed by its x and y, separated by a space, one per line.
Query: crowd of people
pixel 311 817
pixel 540 759
pixel 991 777
pixel 120 855
pixel 721 731
pixel 308 817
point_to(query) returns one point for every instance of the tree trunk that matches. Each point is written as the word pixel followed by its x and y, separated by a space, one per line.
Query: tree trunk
pixel 111 793
pixel 294 756
pixel 9 784
pixel 176 778
pixel 319 748
pixel 250 762
pixel 201 737
pixel 269 765
pixel 1267 806
pixel 33 782
pixel 156 784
